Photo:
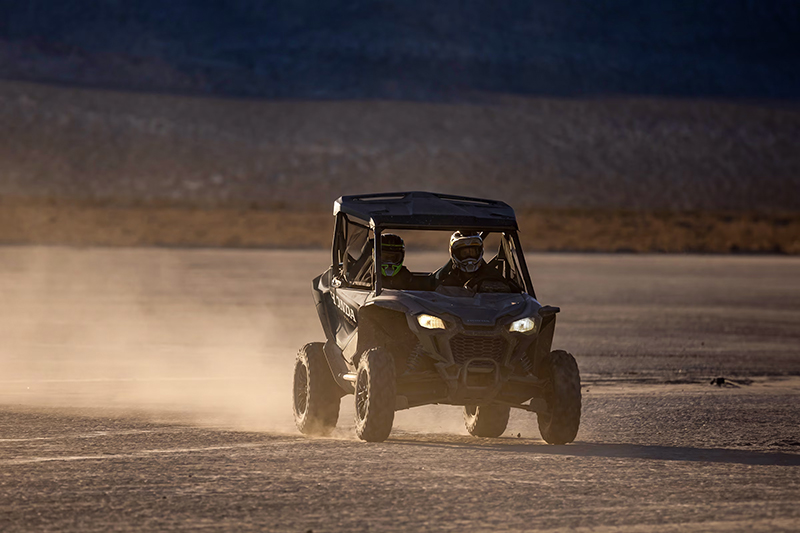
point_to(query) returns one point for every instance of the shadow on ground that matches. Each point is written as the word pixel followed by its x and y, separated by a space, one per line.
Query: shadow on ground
pixel 626 451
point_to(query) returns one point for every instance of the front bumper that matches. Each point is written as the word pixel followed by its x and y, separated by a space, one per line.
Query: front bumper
pixel 478 365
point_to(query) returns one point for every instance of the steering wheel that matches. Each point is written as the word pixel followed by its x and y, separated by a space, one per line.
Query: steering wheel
pixel 474 283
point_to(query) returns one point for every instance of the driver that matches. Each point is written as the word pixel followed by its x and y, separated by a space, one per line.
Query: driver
pixel 466 261
pixel 393 252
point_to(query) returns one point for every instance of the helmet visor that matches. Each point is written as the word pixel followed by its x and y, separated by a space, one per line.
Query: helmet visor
pixel 392 256
pixel 463 253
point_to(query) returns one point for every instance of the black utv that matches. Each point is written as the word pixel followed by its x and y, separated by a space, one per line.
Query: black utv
pixel 485 345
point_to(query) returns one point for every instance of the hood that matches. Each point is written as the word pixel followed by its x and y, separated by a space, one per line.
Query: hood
pixel 481 309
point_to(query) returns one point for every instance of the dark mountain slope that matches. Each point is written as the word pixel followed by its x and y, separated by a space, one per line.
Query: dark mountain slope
pixel 415 49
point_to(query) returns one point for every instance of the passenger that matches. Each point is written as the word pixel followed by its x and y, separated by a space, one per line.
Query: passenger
pixel 393 252
pixel 466 261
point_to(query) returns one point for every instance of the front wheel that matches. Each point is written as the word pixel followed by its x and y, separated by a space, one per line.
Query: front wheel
pixel 375 395
pixel 316 396
pixel 486 420
pixel 559 425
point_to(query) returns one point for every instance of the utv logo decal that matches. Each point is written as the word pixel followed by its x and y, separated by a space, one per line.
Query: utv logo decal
pixel 348 311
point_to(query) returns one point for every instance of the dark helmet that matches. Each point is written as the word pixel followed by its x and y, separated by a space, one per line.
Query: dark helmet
pixel 466 250
pixel 393 251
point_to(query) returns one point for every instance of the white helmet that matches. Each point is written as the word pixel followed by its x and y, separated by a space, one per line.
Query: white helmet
pixel 466 250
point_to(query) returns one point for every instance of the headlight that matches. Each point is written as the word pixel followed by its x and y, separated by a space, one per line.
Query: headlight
pixel 523 325
pixel 430 322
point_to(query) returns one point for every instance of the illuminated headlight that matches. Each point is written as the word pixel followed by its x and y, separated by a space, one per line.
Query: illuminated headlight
pixel 430 322
pixel 523 325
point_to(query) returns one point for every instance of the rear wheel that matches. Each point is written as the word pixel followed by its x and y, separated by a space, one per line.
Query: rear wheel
pixel 375 395
pixel 559 425
pixel 316 396
pixel 486 420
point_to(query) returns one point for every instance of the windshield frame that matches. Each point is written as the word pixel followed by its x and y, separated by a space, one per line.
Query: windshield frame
pixel 513 235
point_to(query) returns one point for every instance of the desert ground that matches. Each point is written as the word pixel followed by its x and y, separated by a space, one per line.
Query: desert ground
pixel 149 389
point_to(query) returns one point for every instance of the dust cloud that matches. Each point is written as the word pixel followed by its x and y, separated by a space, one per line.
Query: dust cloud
pixel 194 336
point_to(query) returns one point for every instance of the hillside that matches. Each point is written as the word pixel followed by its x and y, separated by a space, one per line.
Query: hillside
pixel 81 166
pixel 414 50
pixel 126 148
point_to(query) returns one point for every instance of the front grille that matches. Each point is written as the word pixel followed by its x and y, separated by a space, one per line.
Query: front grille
pixel 465 347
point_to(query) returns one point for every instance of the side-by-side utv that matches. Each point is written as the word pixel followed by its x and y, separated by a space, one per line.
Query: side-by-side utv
pixel 485 345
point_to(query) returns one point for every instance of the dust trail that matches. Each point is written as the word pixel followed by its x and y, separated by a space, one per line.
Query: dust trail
pixel 209 334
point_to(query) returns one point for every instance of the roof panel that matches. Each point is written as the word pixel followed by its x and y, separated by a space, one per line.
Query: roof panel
pixel 426 210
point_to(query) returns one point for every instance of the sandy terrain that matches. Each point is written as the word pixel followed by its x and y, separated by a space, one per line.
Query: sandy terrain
pixel 149 389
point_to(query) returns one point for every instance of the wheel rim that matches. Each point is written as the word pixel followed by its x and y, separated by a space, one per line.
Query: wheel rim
pixel 300 389
pixel 362 395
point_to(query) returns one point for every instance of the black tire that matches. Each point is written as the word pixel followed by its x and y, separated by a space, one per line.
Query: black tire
pixel 315 395
pixel 375 395
pixel 486 420
pixel 560 424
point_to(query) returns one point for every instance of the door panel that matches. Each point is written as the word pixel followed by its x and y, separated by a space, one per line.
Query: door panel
pixel 347 302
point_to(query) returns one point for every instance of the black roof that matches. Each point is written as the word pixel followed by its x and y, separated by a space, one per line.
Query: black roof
pixel 426 210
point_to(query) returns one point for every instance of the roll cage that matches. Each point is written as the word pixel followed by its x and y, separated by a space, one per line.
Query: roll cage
pixel 360 221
